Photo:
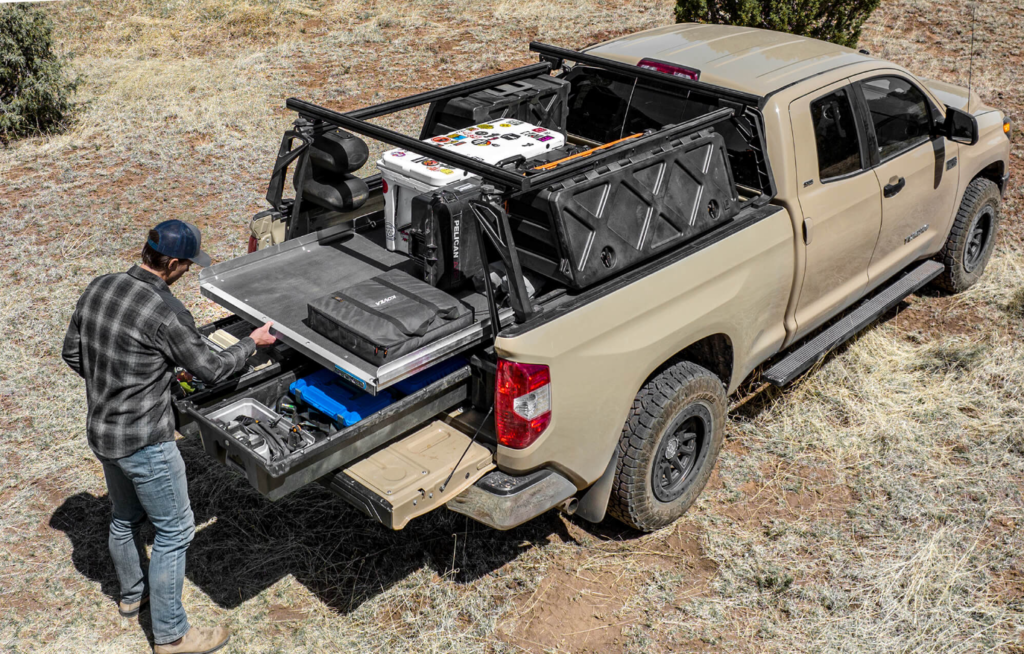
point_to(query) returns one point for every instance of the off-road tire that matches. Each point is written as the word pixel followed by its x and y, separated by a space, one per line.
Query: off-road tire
pixel 963 266
pixel 682 394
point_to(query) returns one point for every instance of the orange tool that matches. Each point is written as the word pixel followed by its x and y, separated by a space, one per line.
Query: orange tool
pixel 585 153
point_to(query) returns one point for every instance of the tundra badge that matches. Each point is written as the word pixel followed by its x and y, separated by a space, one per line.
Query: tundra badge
pixel 922 230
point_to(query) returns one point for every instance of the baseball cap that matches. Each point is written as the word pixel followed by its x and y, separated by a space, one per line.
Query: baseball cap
pixel 180 240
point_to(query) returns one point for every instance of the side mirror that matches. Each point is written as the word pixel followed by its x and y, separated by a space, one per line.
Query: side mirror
pixel 960 126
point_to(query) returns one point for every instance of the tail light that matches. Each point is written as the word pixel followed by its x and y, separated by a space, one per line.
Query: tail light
pixel 522 402
pixel 253 244
pixel 384 185
pixel 670 69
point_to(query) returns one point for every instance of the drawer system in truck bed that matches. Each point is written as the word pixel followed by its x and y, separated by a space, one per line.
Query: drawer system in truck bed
pixel 275 478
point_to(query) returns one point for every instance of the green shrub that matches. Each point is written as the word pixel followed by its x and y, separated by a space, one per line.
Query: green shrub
pixel 838 21
pixel 35 85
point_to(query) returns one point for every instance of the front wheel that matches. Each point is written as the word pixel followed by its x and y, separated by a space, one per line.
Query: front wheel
pixel 972 237
pixel 668 446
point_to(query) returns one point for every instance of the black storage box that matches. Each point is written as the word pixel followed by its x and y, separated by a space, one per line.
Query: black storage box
pixel 541 101
pixel 386 316
pixel 581 230
pixel 444 235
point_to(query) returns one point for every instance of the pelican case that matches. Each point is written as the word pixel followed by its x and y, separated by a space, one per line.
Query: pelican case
pixel 589 227
pixel 444 236
pixel 386 316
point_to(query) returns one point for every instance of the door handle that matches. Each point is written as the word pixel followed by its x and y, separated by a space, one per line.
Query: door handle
pixel 892 189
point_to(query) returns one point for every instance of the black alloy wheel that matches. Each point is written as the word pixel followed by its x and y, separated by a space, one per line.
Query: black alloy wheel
pixel 680 450
pixel 977 240
pixel 972 237
pixel 669 445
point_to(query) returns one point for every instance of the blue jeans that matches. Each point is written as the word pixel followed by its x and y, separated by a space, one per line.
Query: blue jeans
pixel 151 483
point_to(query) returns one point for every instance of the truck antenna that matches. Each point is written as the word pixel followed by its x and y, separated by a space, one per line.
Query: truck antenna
pixel 970 65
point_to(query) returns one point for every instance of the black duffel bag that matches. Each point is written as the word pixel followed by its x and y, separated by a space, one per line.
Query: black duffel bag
pixel 387 316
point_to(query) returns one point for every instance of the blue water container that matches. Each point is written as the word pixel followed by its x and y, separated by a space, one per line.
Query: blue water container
pixel 328 394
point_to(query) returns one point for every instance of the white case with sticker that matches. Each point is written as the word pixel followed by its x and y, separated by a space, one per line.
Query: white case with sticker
pixel 407 174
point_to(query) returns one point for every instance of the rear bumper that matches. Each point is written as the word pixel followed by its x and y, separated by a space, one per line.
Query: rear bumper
pixel 503 501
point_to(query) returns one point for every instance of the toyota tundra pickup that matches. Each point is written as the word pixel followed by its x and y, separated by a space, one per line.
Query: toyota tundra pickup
pixel 708 201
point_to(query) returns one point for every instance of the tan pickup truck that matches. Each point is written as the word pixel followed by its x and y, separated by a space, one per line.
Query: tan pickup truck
pixel 845 184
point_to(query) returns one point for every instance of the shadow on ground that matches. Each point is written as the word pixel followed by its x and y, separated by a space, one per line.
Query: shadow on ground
pixel 244 543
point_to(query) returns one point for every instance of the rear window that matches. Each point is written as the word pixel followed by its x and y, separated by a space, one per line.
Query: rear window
pixel 606 106
pixel 598 101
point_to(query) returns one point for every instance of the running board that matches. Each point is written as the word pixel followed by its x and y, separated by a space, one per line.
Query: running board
pixel 800 360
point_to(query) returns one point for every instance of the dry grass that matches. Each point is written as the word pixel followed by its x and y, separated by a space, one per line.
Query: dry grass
pixel 875 506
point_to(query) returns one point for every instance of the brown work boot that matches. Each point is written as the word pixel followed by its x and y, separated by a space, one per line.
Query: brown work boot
pixel 131 610
pixel 198 640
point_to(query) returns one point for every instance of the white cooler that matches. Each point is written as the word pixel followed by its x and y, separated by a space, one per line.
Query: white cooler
pixel 407 174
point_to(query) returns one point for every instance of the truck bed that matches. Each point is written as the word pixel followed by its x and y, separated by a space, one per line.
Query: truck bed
pixel 312 265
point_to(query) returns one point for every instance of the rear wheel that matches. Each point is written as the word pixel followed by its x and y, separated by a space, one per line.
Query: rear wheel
pixel 972 237
pixel 668 446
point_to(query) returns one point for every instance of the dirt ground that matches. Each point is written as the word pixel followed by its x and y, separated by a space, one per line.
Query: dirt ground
pixel 875 506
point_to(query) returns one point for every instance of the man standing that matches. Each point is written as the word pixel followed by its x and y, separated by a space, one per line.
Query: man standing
pixel 126 335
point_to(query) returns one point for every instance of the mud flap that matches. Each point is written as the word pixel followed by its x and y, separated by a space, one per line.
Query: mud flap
pixel 407 479
pixel 594 503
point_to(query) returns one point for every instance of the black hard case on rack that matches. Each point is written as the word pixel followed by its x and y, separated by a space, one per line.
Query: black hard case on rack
pixel 600 222
pixel 541 101
pixel 444 236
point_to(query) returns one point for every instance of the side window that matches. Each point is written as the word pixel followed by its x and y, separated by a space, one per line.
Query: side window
pixel 899 112
pixel 835 131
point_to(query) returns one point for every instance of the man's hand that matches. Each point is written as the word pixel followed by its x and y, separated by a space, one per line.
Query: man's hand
pixel 263 337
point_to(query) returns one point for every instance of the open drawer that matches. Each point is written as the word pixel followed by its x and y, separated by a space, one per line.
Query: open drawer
pixel 265 364
pixel 277 478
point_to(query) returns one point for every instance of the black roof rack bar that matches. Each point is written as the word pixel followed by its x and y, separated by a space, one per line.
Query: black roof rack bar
pixel 356 121
pixel 551 52
pixel 452 91
pixel 427 149
pixel 517 181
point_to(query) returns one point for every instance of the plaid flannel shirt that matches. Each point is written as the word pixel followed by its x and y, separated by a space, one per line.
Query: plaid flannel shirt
pixel 126 335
